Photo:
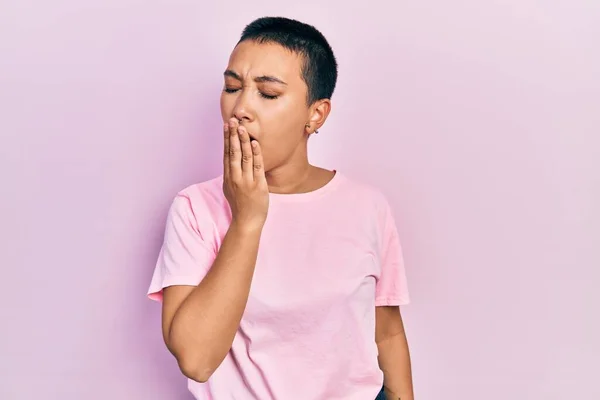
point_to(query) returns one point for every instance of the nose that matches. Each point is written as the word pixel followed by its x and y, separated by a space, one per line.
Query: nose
pixel 243 109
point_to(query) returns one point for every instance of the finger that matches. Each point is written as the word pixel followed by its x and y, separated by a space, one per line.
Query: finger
pixel 247 158
pixel 257 163
pixel 235 152
pixel 226 150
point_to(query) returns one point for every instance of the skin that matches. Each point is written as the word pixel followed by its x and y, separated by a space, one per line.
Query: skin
pixel 394 355
pixel 267 123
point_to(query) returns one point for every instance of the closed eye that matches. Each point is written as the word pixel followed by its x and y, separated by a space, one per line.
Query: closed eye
pixel 263 95
pixel 266 96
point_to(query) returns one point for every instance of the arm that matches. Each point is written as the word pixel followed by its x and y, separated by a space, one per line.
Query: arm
pixel 199 323
pixel 394 356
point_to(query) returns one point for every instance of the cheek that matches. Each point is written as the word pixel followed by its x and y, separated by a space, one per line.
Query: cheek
pixel 283 115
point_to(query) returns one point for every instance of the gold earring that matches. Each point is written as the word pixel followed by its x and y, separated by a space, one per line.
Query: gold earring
pixel 308 126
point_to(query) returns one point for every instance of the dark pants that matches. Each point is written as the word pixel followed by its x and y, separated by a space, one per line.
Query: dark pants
pixel 381 395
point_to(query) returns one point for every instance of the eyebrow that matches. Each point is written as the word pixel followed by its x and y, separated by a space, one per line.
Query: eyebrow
pixel 264 78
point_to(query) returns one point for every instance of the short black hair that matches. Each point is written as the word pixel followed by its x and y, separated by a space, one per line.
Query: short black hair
pixel 319 69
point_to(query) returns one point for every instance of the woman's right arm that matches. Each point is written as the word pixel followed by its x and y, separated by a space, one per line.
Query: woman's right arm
pixel 200 322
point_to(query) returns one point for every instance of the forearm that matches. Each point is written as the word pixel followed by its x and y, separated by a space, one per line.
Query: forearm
pixel 394 361
pixel 205 324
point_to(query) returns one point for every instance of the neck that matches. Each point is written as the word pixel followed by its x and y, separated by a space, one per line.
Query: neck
pixel 290 177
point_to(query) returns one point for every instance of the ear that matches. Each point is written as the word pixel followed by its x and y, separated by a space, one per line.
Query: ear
pixel 318 114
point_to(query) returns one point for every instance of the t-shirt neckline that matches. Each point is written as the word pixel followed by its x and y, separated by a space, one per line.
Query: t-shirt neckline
pixel 328 187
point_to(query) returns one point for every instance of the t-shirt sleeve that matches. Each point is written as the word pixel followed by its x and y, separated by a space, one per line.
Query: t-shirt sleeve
pixel 392 287
pixel 185 257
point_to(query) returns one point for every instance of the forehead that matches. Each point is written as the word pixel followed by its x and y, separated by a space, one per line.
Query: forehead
pixel 251 59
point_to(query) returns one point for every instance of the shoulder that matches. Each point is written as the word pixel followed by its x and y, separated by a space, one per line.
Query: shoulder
pixel 208 190
pixel 365 194
pixel 202 200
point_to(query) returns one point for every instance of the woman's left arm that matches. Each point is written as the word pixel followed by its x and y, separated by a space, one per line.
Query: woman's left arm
pixel 394 356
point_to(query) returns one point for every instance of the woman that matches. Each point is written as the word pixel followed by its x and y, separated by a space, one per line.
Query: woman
pixel 280 279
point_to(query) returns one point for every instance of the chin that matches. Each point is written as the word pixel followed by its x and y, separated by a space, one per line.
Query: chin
pixel 268 165
pixel 268 168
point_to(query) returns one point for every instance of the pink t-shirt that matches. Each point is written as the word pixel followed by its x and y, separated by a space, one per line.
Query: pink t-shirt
pixel 326 259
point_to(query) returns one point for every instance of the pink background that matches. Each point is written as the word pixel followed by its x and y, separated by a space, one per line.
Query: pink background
pixel 479 119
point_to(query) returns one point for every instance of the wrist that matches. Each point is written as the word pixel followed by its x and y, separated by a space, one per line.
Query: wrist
pixel 246 228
